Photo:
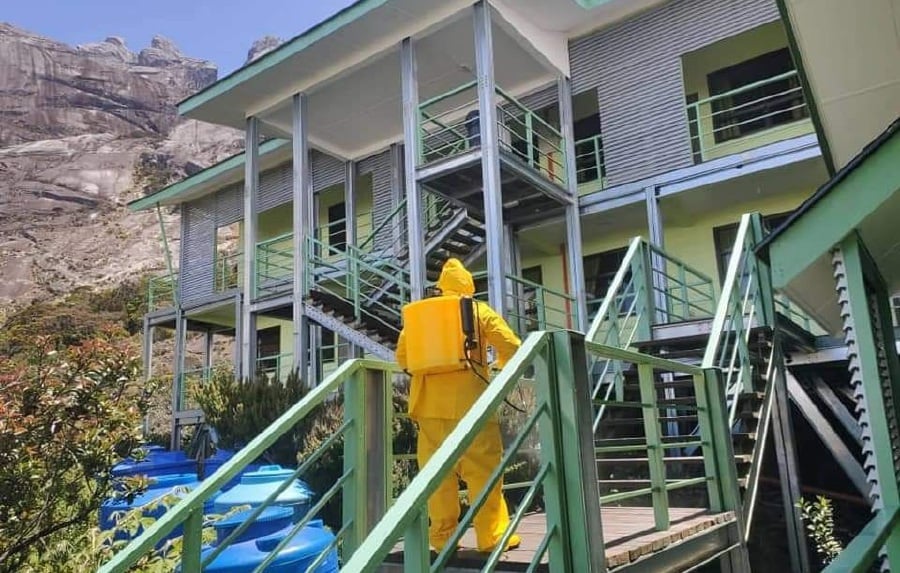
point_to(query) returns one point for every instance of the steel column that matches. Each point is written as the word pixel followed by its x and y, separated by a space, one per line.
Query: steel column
pixel 786 456
pixel 251 191
pixel 237 349
pixel 352 231
pixel 573 216
pixel 873 366
pixel 655 227
pixel 208 349
pixel 177 378
pixel 415 231
pixel 490 158
pixel 302 221
pixel 147 359
pixel 515 291
pixel 397 178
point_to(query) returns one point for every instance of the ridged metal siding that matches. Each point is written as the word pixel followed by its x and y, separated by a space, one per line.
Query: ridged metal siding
pixel 275 187
pixel 379 166
pixel 198 240
pixel 326 171
pixel 229 204
pixel 635 66
pixel 541 98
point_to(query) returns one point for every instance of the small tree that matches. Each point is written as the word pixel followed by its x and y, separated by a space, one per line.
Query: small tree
pixel 819 518
pixel 67 415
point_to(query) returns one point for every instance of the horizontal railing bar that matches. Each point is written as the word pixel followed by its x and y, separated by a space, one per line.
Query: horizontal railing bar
pixel 455 91
pixel 612 352
pixel 746 88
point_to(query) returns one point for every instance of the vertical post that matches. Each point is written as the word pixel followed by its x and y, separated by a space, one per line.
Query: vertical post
pixel 397 230
pixel 237 358
pixel 573 215
pixel 367 453
pixel 352 231
pixel 415 229
pixel 302 206
pixel 147 358
pixel 658 270
pixel 251 189
pixel 718 458
pixel 208 349
pixel 575 442
pixel 192 542
pixel 515 292
pixel 415 544
pixel 877 367
pixel 655 451
pixel 490 157
pixel 788 471
pixel 178 374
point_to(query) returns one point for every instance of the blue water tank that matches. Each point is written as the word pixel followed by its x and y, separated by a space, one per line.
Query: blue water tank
pixel 159 486
pixel 271 520
pixel 256 486
pixel 296 556
pixel 217 460
pixel 158 461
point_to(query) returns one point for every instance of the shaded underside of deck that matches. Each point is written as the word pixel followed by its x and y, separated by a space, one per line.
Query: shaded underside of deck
pixel 629 536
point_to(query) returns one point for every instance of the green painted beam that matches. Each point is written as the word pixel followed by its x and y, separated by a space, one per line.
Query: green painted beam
pixel 290 48
pixel 836 213
pixel 859 555
pixel 171 193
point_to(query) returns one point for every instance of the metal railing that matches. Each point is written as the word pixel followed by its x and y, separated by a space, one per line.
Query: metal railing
pixel 361 390
pixel 274 265
pixel 733 115
pixel 863 550
pixel 162 291
pixel 275 366
pixel 590 164
pixel 650 288
pixel 228 270
pixel 531 306
pixel 565 467
pixel 448 125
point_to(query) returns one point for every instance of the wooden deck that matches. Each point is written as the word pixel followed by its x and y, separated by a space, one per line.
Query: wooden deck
pixel 628 532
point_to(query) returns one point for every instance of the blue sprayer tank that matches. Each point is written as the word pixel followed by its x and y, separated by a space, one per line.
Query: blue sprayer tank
pixel 157 461
pixel 159 486
pixel 295 557
pixel 256 486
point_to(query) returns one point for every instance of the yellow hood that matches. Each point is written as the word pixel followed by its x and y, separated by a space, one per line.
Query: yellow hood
pixel 455 279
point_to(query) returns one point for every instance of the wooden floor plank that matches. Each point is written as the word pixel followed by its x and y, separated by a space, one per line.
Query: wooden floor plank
pixel 628 533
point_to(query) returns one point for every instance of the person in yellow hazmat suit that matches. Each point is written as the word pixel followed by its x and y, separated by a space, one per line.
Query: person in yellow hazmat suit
pixel 438 401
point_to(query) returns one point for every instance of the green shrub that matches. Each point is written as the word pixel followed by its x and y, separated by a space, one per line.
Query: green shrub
pixel 819 518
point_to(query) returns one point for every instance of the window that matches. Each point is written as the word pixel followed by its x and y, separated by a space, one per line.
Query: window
pixel 725 236
pixel 599 271
pixel 268 348
pixel 329 345
pixel 589 160
pixel 760 107
pixel 337 227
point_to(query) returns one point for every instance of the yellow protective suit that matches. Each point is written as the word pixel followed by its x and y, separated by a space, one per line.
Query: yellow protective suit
pixel 438 401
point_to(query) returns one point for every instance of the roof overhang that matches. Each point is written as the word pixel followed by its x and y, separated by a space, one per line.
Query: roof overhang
pixel 849 56
pixel 211 179
pixel 349 65
pixel 863 197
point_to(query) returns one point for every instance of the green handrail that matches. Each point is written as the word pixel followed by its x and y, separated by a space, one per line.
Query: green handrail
pixel 530 305
pixel 228 270
pixel 562 470
pixel 589 162
pixel 367 387
pixel 161 291
pixel 861 553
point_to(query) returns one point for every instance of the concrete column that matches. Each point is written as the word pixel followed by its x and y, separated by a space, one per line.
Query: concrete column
pixel 415 229
pixel 573 215
pixel 302 224
pixel 251 191
pixel 490 158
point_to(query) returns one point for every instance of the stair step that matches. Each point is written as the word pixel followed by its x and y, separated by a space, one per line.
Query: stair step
pixel 739 458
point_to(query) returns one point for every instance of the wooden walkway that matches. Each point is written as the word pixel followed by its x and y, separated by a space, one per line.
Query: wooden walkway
pixel 628 533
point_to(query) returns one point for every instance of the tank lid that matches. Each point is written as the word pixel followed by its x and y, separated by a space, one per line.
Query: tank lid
pixel 267 474
pixel 273 513
pixel 172 480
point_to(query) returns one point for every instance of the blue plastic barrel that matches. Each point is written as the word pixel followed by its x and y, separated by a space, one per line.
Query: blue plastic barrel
pixel 159 486
pixel 296 556
pixel 256 486
pixel 271 520
pixel 158 461
pixel 217 460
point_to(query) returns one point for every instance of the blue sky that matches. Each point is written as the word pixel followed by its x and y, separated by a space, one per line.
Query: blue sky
pixel 217 30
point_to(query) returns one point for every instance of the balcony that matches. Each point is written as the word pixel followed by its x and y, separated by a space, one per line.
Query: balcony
pixel 748 117
pixel 590 166
pixel 161 291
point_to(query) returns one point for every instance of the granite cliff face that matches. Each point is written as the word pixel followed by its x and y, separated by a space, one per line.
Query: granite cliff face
pixel 84 130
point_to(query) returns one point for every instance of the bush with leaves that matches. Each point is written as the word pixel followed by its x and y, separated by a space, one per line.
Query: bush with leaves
pixel 819 518
pixel 67 415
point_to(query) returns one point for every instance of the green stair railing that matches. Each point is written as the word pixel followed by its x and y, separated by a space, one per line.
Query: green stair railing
pixel 718 124
pixel 161 291
pixel 590 164
pixel 274 265
pixel 864 550
pixel 566 467
pixel 650 288
pixel 362 390
pixel 448 125
pixel 229 267
pixel 531 306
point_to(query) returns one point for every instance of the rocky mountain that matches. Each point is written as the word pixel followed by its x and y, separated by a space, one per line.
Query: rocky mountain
pixel 84 130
